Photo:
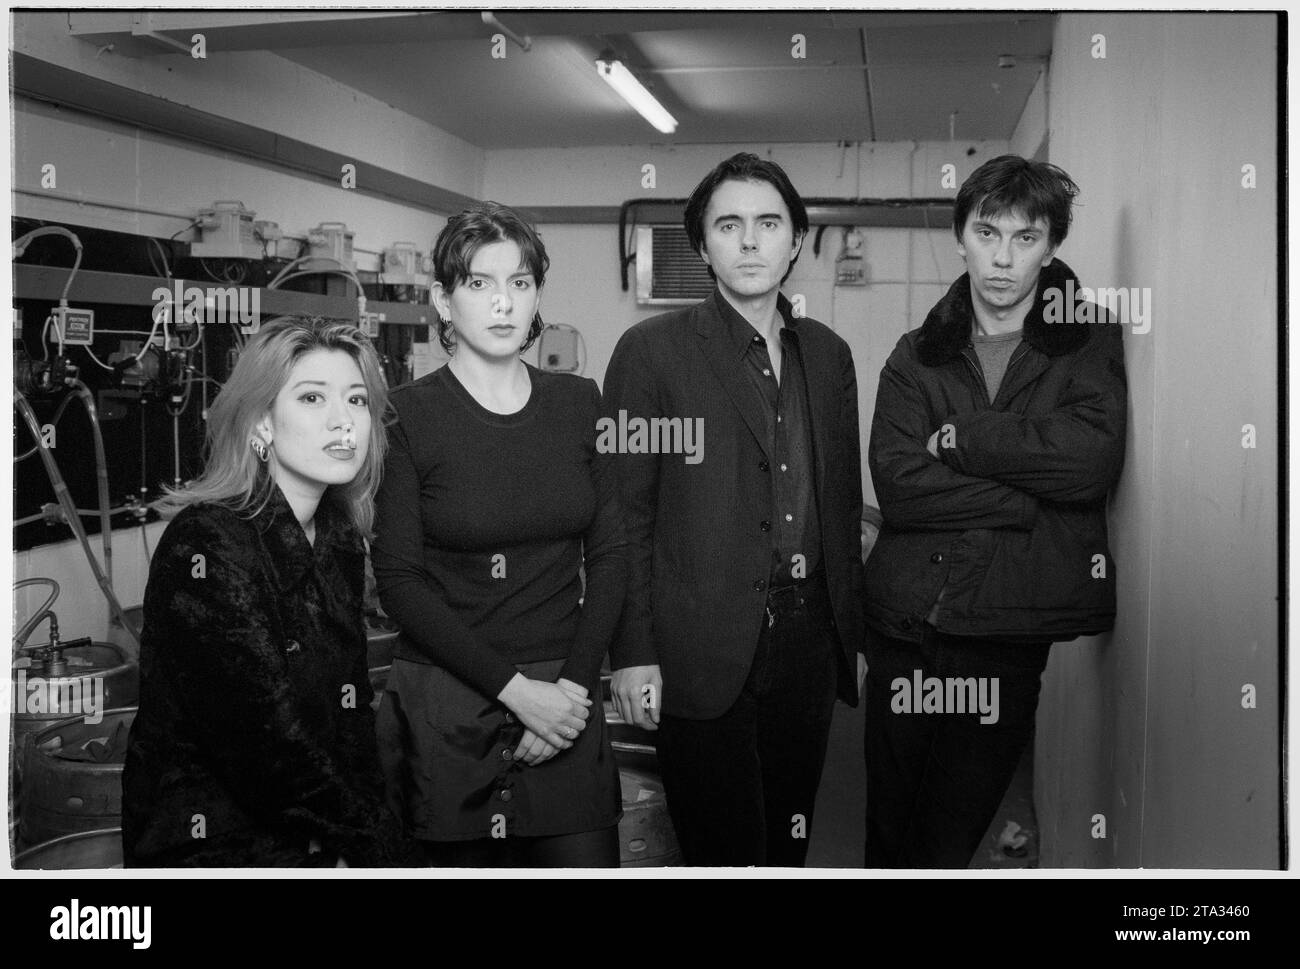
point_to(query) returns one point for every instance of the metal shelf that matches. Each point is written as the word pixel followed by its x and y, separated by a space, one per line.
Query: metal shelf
pixel 90 287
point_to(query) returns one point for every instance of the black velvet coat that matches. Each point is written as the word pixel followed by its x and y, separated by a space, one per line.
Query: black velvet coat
pixel 255 735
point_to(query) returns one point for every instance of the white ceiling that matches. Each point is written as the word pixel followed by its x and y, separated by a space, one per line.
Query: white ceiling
pixel 726 77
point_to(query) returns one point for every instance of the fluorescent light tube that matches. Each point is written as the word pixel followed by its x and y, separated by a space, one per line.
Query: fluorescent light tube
pixel 630 89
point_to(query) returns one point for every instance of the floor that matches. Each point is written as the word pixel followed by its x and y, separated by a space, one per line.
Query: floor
pixel 1011 841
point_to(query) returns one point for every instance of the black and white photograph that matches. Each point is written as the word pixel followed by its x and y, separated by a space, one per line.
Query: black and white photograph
pixel 650 442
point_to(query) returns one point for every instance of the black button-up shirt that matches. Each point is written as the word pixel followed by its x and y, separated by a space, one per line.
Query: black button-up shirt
pixel 795 526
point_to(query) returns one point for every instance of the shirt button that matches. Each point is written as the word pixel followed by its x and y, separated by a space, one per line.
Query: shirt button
pixel 936 558
pixel 778 418
pixel 504 795
pixel 758 585
pixel 762 465
pixel 766 372
pixel 783 467
pixel 292 646
pixel 789 518
pixel 765 526
pixel 506 754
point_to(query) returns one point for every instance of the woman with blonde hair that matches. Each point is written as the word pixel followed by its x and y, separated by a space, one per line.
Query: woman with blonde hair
pixel 254 743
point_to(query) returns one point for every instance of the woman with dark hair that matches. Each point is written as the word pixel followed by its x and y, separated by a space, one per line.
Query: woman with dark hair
pixel 494 496
pixel 254 744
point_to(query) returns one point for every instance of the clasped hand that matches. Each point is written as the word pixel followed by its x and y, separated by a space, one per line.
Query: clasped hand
pixel 553 715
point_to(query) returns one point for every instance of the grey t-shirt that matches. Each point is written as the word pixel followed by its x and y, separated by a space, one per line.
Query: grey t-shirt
pixel 995 353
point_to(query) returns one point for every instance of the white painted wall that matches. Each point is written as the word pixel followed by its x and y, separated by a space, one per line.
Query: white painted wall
pixel 105 160
pixel 1146 725
pixel 81 607
pixel 1031 129
pixel 263 89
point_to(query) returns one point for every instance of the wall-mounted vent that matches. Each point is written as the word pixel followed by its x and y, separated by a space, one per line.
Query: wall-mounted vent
pixel 668 271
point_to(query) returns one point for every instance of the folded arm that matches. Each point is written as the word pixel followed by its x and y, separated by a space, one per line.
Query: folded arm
pixel 918 492
pixel 1072 454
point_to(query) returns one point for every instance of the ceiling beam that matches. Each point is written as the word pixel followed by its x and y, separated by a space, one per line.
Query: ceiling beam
pixel 61 86
pixel 129 33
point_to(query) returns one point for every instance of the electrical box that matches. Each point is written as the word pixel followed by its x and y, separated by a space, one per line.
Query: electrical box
pixel 404 265
pixel 76 325
pixel 851 264
pixel 137 375
pixel 369 324
pixel 557 350
pixel 331 240
pixel 226 232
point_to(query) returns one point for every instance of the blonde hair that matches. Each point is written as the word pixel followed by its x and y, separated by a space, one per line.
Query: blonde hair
pixel 232 474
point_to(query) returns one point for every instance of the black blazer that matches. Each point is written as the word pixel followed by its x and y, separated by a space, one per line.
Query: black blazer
pixel 699 559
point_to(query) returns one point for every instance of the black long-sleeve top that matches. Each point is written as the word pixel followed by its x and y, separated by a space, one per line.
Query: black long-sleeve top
pixel 484 520
pixel 254 734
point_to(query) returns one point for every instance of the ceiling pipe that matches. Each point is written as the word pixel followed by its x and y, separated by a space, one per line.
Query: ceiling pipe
pixel 525 43
pixel 865 212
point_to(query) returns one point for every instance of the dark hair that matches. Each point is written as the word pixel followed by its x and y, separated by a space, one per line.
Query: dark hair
pixel 482 224
pixel 1009 184
pixel 743 167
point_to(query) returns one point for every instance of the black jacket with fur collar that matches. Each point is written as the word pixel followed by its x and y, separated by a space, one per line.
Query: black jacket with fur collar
pixel 1009 522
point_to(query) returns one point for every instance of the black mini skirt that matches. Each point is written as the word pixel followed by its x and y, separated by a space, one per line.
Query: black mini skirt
pixel 449 766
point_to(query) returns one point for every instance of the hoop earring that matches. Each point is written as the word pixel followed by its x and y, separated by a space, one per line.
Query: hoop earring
pixel 260 449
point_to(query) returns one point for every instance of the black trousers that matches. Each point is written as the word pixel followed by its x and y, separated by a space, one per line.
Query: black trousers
pixel 935 777
pixel 741 787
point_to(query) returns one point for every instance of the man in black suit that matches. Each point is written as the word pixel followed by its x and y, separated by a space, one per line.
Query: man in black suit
pixel 744 616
